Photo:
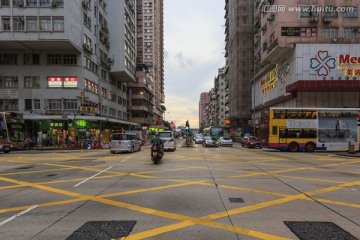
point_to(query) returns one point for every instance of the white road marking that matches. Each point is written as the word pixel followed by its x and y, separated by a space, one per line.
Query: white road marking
pixel 92 176
pixel 18 215
pixel 126 159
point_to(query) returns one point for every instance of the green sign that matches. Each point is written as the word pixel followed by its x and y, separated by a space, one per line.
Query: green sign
pixel 81 123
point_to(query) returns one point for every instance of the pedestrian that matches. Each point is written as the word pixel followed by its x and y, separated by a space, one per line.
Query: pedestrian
pixel 61 142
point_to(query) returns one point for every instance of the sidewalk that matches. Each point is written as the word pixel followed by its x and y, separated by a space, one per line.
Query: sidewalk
pixel 346 154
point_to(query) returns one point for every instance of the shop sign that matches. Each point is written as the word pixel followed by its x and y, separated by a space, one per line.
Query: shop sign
pixel 55 82
pixel 299 31
pixel 350 65
pixel 226 122
pixel 70 82
pixel 269 82
pixel 56 125
pixel 88 109
pixel 81 123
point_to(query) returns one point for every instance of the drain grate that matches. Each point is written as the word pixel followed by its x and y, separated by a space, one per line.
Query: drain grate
pixel 236 200
pixel 318 230
pixel 103 230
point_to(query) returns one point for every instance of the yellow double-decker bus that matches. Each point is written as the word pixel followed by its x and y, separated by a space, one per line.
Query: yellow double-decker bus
pixel 310 129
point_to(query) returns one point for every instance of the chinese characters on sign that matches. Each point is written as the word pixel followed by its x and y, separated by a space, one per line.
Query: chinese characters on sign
pixel 62 82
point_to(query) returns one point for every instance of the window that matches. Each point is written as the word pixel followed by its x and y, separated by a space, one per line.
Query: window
pixel 9 104
pixel 45 3
pixel 119 100
pixel 70 104
pixel 330 12
pixel 31 82
pixel 8 82
pixel 31 24
pixel 351 12
pixel 18 3
pixel 18 23
pixel 330 32
pixel 5 23
pixel 31 3
pixel 8 59
pixel 112 96
pixel 54 104
pixel 87 21
pixel 112 112
pixel 103 92
pixel 28 104
pixel 45 24
pixel 5 3
pixel 36 104
pixel 69 59
pixel 30 59
pixel 58 24
pixel 54 59
pixel 104 110
pixel 350 32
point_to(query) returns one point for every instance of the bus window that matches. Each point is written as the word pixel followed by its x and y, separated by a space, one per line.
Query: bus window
pixel 3 134
pixel 274 130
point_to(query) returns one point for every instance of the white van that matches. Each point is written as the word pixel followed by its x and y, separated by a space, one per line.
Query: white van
pixel 168 139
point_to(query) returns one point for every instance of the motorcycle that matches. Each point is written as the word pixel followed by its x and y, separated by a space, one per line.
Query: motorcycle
pixel 156 154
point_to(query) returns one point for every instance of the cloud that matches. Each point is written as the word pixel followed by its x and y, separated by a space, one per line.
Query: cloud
pixel 183 61
pixel 194 43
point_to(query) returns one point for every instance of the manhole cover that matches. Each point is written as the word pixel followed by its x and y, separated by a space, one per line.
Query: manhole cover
pixel 319 231
pixel 236 200
pixel 103 230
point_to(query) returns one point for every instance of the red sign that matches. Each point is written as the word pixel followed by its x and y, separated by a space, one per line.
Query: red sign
pixel 70 82
pixel 55 82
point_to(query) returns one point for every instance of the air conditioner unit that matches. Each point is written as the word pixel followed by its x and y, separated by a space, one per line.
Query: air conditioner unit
pixel 313 19
pixel 86 4
pixel 327 19
pixel 54 3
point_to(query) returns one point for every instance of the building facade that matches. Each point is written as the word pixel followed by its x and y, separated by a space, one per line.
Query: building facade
pixel 66 64
pixel 239 52
pixel 203 104
pixel 306 58
pixel 221 98
pixel 150 51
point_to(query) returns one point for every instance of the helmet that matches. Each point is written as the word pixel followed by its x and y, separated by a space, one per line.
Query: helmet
pixel 156 134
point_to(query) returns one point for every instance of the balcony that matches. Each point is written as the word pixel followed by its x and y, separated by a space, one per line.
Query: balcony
pixel 139 108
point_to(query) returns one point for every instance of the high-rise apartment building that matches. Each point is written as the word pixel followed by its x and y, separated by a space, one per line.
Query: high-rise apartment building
pixel 306 54
pixel 203 104
pixel 64 60
pixel 239 59
pixel 147 94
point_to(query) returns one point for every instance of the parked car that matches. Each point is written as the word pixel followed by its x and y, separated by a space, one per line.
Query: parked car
pixel 125 142
pixel 225 141
pixel 210 142
pixel 168 139
pixel 250 142
pixel 5 148
pixel 198 138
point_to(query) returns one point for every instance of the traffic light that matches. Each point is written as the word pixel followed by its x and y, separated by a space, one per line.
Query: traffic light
pixel 187 125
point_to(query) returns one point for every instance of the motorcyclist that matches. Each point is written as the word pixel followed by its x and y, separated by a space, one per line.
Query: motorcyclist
pixel 157 141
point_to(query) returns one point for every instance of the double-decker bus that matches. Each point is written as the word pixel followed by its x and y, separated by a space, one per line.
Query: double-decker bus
pixel 214 132
pixel 309 129
pixel 12 130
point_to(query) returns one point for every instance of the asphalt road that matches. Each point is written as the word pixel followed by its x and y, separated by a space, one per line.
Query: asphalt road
pixel 194 193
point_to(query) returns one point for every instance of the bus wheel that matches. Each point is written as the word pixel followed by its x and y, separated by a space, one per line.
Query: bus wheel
pixel 310 147
pixel 293 147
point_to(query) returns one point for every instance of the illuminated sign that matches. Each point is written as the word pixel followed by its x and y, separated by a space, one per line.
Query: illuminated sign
pixel 350 65
pixel 269 82
pixel 81 123
pixel 88 109
pixel 70 82
pixel 55 82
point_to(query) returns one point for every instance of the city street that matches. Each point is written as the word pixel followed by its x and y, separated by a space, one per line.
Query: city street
pixel 194 193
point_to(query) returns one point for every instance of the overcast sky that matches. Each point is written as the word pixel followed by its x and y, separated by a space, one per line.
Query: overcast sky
pixel 194 44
